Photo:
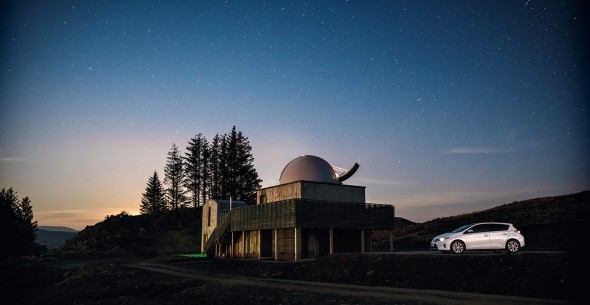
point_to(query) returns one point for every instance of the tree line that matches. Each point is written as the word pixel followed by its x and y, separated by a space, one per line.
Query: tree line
pixel 219 169
pixel 18 231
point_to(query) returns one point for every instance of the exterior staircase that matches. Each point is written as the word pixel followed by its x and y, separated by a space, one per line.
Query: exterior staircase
pixel 218 235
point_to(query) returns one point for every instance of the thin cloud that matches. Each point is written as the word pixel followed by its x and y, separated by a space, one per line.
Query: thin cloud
pixel 76 218
pixel 19 160
pixel 475 150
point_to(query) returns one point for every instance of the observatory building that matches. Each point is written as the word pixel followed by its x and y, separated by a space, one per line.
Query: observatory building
pixel 309 214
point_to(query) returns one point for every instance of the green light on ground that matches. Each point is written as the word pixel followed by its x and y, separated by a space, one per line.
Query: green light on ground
pixel 194 255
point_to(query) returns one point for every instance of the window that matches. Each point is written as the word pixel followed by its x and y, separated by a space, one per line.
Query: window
pixel 498 227
pixel 480 228
pixel 461 229
pixel 209 217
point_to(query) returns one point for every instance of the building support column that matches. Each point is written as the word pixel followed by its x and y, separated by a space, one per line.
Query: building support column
pixel 259 244
pixel 331 241
pixel 370 237
pixel 391 240
pixel 362 241
pixel 296 244
pixel 276 247
pixel 231 247
pixel 243 244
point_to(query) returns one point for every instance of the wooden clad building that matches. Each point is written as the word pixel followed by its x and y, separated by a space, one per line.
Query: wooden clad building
pixel 320 191
pixel 298 218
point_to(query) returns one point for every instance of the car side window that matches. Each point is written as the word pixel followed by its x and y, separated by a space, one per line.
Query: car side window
pixel 498 227
pixel 478 229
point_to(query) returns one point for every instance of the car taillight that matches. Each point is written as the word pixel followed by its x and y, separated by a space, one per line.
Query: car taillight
pixel 517 231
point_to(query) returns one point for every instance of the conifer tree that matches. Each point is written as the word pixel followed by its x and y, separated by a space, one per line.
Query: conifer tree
pixel 28 227
pixel 245 176
pixel 16 224
pixel 174 171
pixel 232 164
pixel 221 169
pixel 195 167
pixel 154 199
pixel 232 169
pixel 205 173
pixel 9 223
pixel 215 165
pixel 224 168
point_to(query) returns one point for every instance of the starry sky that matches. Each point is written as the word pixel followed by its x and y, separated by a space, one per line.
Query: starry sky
pixel 448 106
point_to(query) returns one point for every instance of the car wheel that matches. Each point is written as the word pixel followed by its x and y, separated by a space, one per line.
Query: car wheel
pixel 512 246
pixel 457 247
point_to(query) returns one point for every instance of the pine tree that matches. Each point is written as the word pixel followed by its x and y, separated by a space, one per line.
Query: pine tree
pixel 28 227
pixel 232 169
pixel 245 179
pixel 205 173
pixel 174 172
pixel 221 169
pixel 154 199
pixel 215 165
pixel 9 224
pixel 16 224
pixel 225 169
pixel 195 167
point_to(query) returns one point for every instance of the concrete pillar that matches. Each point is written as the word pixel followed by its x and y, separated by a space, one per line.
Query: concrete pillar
pixel 243 244
pixel 370 241
pixel 391 240
pixel 362 241
pixel 259 244
pixel 276 248
pixel 231 247
pixel 331 241
pixel 296 244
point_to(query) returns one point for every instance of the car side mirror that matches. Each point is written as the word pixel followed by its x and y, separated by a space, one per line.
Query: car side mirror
pixel 469 231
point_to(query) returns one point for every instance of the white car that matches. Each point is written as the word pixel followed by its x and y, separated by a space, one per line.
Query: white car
pixel 480 236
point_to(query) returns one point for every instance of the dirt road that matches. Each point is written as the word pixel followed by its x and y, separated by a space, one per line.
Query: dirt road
pixel 378 294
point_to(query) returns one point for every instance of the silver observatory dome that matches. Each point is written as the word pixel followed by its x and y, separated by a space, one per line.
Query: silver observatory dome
pixel 309 168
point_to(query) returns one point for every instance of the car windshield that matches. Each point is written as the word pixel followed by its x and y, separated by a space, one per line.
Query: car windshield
pixel 461 229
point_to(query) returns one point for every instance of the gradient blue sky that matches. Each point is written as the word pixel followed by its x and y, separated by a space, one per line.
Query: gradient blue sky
pixel 448 106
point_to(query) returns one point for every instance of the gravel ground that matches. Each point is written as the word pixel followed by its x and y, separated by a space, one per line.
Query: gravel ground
pixel 114 281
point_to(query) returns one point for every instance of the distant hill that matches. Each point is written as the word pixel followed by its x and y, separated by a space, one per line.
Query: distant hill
pixel 171 232
pixel 53 239
pixel 58 229
pixel 557 222
pixel 400 222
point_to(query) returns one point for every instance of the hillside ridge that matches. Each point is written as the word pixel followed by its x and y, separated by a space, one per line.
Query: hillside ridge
pixel 544 221
pixel 57 229
pixel 53 239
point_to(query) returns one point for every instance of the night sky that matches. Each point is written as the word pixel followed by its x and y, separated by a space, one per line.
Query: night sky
pixel 448 106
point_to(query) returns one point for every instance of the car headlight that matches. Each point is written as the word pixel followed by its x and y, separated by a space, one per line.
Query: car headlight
pixel 441 239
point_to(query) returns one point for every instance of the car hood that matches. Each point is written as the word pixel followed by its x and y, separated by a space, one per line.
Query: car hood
pixel 445 235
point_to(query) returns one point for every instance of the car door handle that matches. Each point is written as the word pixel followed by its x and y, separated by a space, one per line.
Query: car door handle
pixel 504 234
pixel 485 235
